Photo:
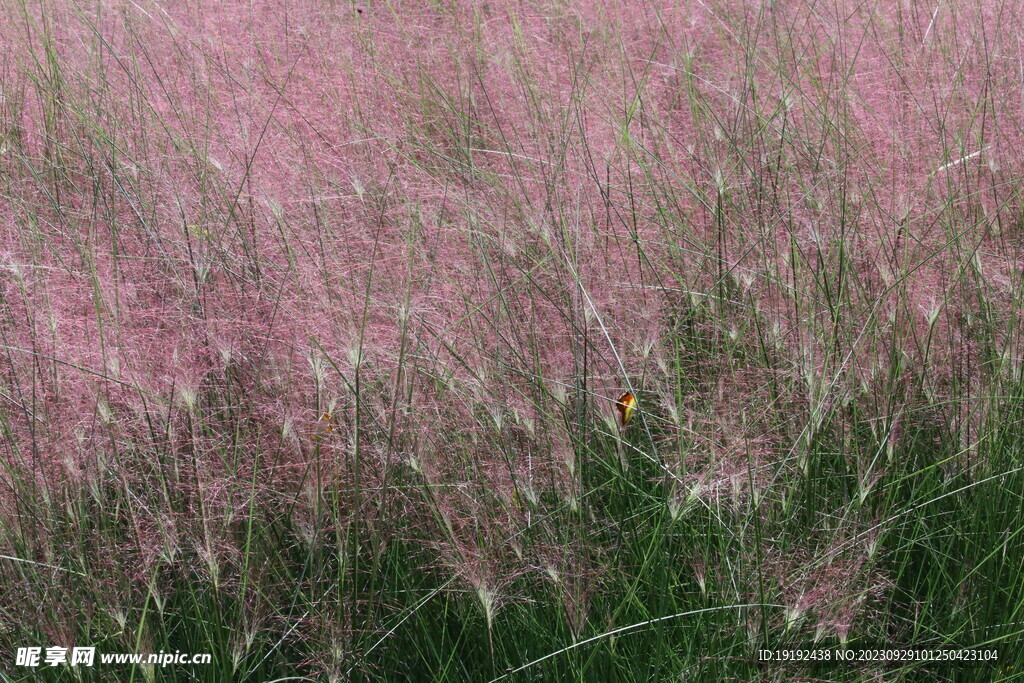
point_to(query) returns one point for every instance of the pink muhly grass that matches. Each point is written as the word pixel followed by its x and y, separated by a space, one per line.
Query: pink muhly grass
pixel 830 593
pixel 456 227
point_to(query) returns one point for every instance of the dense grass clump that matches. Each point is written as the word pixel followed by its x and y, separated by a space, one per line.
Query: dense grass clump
pixel 314 316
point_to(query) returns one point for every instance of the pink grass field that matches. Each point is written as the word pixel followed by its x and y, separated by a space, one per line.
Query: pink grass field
pixel 463 229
